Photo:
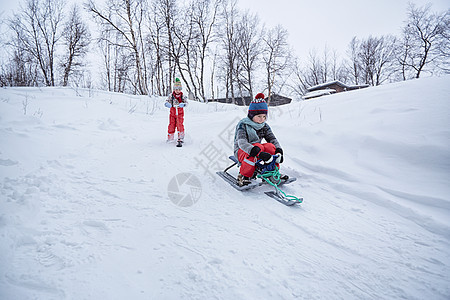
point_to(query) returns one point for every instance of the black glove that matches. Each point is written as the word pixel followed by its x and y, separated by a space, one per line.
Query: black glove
pixel 255 150
pixel 266 157
pixel 280 159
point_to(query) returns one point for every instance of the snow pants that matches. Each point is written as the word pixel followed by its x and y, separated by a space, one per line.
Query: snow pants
pixel 176 119
pixel 248 163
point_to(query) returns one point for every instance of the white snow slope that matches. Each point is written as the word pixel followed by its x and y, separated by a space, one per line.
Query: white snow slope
pixel 86 212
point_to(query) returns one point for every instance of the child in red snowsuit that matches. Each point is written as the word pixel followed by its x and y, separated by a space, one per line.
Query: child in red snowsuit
pixel 176 101
pixel 248 146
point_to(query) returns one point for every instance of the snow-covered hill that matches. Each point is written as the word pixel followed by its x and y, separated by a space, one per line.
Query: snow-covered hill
pixel 89 207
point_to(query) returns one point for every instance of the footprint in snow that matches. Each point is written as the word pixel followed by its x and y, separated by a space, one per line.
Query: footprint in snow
pixel 96 225
pixel 7 162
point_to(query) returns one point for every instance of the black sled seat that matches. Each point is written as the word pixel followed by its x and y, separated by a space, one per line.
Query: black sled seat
pixel 232 180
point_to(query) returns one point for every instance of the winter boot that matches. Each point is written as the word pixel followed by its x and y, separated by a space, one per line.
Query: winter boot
pixel 181 136
pixel 284 177
pixel 170 137
pixel 243 180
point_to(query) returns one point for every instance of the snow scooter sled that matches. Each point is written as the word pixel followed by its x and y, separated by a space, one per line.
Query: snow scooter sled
pixel 269 175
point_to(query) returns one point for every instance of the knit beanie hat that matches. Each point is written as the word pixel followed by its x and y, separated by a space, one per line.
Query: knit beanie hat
pixel 177 84
pixel 257 106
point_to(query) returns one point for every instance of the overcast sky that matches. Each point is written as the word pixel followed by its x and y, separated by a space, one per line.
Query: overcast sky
pixel 312 24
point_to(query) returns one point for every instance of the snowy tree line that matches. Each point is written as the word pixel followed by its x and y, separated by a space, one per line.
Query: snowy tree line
pixel 217 49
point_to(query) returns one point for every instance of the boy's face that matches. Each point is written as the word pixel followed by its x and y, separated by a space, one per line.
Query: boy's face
pixel 261 118
pixel 177 91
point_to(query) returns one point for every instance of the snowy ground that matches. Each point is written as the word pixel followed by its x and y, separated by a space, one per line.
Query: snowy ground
pixel 87 181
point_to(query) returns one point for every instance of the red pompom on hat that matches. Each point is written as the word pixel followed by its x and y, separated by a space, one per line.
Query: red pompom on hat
pixel 260 96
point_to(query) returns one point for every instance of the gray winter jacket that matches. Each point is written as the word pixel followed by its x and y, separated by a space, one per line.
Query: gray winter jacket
pixel 241 138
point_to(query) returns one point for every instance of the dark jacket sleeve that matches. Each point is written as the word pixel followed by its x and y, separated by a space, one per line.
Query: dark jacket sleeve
pixel 270 137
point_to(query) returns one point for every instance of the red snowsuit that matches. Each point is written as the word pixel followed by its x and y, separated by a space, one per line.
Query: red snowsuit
pixel 248 163
pixel 176 116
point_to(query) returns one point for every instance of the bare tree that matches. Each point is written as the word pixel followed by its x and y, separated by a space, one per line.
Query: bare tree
pixel 228 40
pixel 18 68
pixel 366 58
pixel 354 67
pixel 426 38
pixel 157 48
pixel 385 59
pixel 443 51
pixel 276 56
pixel 76 39
pixel 403 50
pixel 167 13
pixel 192 33
pixel 185 50
pixel 116 58
pixel 37 30
pixel 105 49
pixel 213 71
pixel 313 71
pixel 249 49
pixel 298 84
pixel 375 59
pixel 325 64
pixel 117 61
pixel 126 17
pixel 205 17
